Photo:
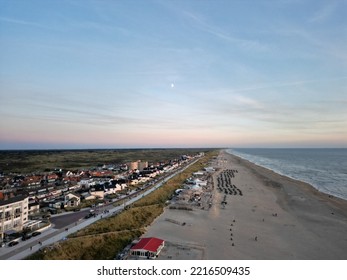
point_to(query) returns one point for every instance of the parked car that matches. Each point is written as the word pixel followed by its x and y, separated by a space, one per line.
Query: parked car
pixel 26 237
pixel 12 243
pixel 88 216
pixel 36 233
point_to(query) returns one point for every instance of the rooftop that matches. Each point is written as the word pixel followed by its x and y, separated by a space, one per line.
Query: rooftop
pixel 148 244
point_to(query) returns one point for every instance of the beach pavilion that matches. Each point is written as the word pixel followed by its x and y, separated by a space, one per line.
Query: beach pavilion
pixel 148 247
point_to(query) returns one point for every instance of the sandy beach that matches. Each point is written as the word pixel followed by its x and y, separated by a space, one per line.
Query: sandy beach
pixel 266 217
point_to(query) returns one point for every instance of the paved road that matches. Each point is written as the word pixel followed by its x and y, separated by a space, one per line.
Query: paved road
pixel 73 222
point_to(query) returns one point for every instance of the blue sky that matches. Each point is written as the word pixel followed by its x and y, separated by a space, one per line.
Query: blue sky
pixel 116 74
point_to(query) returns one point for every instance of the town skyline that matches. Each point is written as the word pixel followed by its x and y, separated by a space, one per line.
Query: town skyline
pixel 172 74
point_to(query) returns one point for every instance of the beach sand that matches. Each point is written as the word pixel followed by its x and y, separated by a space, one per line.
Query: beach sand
pixel 275 218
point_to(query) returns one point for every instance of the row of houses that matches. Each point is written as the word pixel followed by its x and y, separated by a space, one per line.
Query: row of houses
pixel 19 205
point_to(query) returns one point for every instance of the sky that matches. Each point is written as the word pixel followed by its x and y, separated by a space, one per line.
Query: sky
pixel 171 74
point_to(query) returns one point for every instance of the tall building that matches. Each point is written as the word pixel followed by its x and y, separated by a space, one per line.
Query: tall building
pixel 133 165
pixel 142 165
pixel 139 165
pixel 13 214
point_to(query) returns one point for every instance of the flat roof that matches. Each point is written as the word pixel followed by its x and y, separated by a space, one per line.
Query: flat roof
pixel 13 199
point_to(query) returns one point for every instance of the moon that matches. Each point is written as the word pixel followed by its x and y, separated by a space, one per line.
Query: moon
pixel 172 85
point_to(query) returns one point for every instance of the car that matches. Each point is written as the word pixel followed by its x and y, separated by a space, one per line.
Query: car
pixel 12 243
pixel 26 237
pixel 36 233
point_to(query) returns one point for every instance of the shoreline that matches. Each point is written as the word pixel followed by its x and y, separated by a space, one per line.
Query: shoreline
pixel 288 176
pixel 310 187
pixel 277 217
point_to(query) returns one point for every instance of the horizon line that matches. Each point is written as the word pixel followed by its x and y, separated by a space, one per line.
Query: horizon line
pixel 162 148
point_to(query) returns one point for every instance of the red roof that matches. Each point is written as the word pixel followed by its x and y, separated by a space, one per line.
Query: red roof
pixel 148 244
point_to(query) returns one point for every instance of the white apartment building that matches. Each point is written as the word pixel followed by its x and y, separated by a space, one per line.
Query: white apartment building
pixel 13 214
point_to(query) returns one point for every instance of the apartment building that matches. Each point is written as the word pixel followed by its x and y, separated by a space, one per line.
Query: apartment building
pixel 13 214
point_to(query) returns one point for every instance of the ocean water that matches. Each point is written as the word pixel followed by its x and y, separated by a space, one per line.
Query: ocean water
pixel 324 169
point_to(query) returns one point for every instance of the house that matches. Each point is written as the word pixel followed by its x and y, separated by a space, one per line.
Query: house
pixel 56 204
pixel 71 179
pixel 52 178
pixel 134 182
pixel 87 196
pixel 119 184
pixel 86 183
pixel 71 200
pixel 148 247
pixel 33 180
pixel 102 174
pixel 115 186
pixel 98 191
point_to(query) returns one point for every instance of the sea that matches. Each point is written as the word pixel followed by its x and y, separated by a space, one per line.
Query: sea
pixel 324 169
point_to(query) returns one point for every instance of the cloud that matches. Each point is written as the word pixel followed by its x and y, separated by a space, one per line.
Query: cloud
pixel 276 112
pixel 284 84
pixel 324 13
pixel 242 43
pixel 20 21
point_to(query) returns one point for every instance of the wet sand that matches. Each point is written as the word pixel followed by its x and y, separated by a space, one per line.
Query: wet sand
pixel 275 218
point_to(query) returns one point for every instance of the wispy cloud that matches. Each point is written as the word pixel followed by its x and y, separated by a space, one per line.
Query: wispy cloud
pixel 30 24
pixel 242 43
pixel 312 42
pixel 19 21
pixel 276 112
pixel 324 13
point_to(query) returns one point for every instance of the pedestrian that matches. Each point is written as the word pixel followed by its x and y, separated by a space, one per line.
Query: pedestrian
pixel 256 238
pixel 31 247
